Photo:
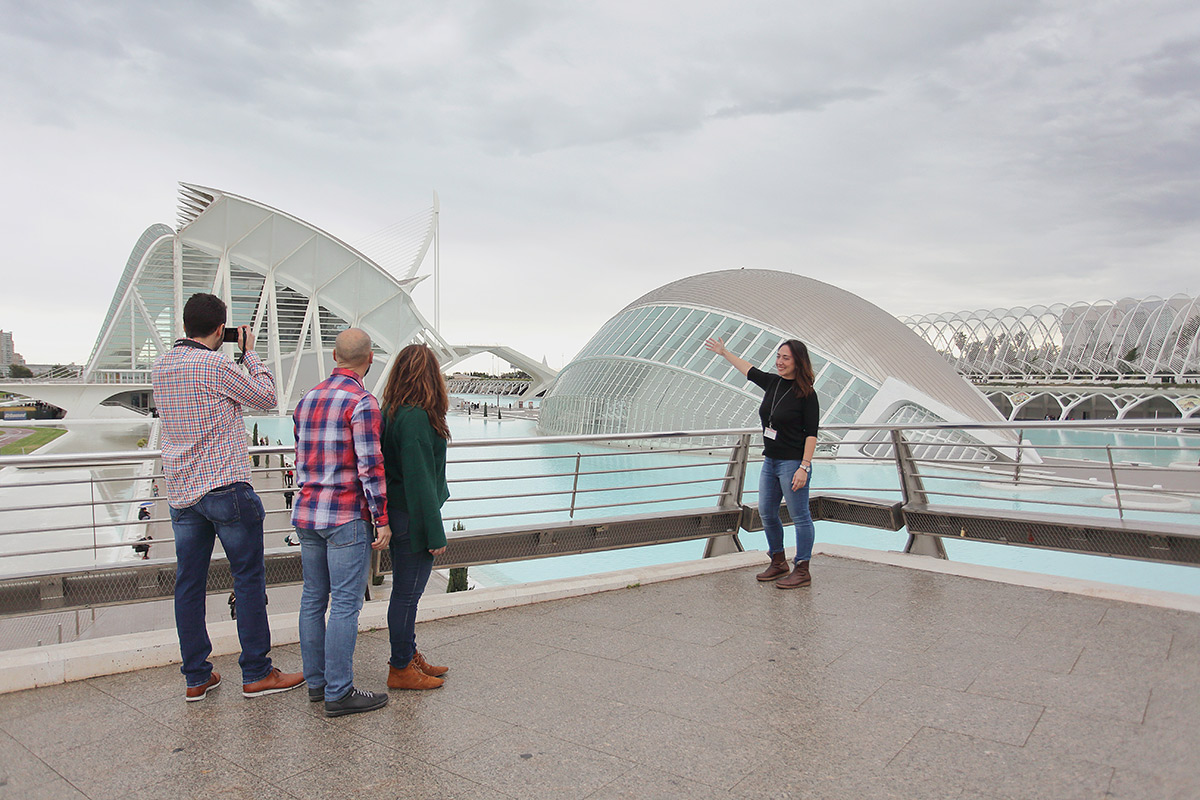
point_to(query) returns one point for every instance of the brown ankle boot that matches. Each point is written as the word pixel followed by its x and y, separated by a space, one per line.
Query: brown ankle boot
pixel 411 677
pixel 777 567
pixel 798 578
pixel 427 668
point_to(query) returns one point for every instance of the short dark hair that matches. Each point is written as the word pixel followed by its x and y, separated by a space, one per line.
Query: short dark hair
pixel 202 314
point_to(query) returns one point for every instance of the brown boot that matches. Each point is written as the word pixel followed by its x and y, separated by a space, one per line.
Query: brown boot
pixel 777 567
pixel 427 668
pixel 798 578
pixel 411 677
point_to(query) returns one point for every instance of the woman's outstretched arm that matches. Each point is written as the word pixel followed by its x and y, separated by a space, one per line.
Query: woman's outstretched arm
pixel 718 346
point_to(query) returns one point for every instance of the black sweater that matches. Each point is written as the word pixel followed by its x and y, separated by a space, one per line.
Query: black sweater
pixel 794 419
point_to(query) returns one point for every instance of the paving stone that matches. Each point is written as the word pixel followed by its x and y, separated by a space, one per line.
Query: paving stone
pixel 57 789
pixel 376 771
pixel 825 743
pixel 984 717
pixel 1077 736
pixel 531 765
pixel 645 783
pixel 21 771
pixel 545 707
pixel 949 668
pixel 60 697
pixel 487 653
pixel 797 786
pixel 115 767
pixel 679 626
pixel 1130 784
pixel 410 717
pixel 576 636
pixel 147 686
pixel 1121 697
pixel 1122 635
pixel 941 758
pixel 46 735
pixel 982 649
pixel 708 754
pixel 211 778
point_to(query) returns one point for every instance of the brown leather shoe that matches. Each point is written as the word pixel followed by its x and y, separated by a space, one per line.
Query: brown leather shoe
pixel 411 677
pixel 778 567
pixel 798 578
pixel 195 693
pixel 427 668
pixel 274 682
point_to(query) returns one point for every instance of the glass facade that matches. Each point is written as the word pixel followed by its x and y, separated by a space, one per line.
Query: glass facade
pixel 647 369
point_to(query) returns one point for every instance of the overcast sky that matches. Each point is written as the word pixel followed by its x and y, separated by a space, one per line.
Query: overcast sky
pixel 928 156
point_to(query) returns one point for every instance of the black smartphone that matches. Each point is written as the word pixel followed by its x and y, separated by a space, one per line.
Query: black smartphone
pixel 231 334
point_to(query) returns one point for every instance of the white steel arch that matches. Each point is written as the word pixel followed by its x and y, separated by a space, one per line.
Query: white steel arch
pixel 1144 338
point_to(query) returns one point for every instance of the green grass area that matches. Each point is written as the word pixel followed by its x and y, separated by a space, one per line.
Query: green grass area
pixel 33 441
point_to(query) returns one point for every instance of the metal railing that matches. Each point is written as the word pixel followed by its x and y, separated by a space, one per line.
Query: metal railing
pixel 69 524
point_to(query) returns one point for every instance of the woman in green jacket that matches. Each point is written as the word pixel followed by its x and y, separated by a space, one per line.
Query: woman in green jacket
pixel 414 439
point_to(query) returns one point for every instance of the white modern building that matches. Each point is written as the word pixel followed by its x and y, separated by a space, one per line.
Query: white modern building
pixel 295 285
pixel 1148 339
pixel 647 369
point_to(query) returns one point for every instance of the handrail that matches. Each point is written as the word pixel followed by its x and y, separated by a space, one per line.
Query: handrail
pixel 639 490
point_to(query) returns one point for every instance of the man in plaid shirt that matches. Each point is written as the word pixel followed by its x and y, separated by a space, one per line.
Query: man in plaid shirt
pixel 342 489
pixel 199 395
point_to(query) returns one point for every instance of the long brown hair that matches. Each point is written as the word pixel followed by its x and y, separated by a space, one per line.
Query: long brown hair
pixel 416 380
pixel 803 378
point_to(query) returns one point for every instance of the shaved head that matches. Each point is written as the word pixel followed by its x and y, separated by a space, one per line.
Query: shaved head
pixel 352 348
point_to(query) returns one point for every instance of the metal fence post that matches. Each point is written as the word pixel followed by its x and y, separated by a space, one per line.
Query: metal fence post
pixel 913 489
pixel 730 497
pixel 1112 471
pixel 575 485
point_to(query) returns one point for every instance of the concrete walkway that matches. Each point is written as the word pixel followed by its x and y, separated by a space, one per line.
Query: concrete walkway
pixel 880 681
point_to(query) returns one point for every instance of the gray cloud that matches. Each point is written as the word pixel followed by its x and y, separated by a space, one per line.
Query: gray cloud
pixel 618 146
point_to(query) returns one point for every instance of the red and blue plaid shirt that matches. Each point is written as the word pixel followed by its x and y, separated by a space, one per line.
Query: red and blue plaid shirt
pixel 199 395
pixel 339 467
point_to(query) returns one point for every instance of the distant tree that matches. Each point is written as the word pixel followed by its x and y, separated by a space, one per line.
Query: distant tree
pixel 458 575
pixel 19 371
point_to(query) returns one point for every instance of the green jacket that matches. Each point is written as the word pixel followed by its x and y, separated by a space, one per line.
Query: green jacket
pixel 414 461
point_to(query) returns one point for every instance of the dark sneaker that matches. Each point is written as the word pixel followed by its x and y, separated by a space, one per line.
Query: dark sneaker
pixel 195 693
pixel 356 701
pixel 275 681
pixel 316 695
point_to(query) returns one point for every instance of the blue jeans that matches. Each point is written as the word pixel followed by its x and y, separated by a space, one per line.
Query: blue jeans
pixel 233 514
pixel 335 571
pixel 774 486
pixel 410 573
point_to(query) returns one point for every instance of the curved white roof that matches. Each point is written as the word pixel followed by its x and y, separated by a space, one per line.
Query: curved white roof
pixel 833 321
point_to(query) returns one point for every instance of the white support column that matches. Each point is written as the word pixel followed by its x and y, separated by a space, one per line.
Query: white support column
pixel 274 350
pixel 177 280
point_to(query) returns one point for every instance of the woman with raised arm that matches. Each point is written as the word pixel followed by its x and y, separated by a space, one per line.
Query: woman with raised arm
pixel 790 414
pixel 414 439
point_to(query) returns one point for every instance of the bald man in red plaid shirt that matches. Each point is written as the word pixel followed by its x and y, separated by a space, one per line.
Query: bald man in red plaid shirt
pixel 199 393
pixel 339 467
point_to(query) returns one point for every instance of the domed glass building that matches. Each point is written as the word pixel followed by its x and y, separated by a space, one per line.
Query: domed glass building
pixel 647 368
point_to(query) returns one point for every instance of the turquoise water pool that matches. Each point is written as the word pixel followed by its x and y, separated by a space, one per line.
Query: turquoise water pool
pixel 552 494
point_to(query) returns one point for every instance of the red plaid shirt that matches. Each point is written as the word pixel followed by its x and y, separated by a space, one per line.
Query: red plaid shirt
pixel 339 466
pixel 199 394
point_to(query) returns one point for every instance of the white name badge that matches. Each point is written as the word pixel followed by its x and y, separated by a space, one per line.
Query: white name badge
pixel 768 433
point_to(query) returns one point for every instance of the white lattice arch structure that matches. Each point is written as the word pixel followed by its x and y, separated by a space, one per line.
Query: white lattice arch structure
pixel 294 284
pixel 1131 338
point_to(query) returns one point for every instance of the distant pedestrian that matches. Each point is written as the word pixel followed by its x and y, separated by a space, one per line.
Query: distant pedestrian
pixel 287 498
pixel 789 414
pixel 414 453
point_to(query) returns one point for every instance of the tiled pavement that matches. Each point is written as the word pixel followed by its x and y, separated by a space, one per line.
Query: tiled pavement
pixel 878 682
